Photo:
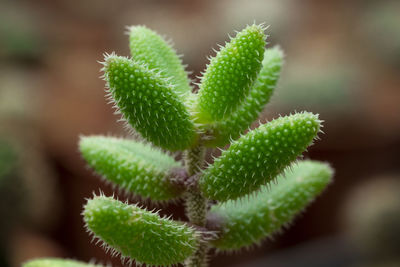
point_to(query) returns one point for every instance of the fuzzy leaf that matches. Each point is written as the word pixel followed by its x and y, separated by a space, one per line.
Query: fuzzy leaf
pixel 139 234
pixel 149 47
pixel 230 74
pixel 134 167
pixel 250 219
pixel 239 121
pixel 54 262
pixel 258 157
pixel 148 102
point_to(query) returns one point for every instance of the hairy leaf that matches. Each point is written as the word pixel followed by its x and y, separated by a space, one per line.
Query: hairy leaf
pixel 149 47
pixel 230 74
pixel 139 234
pixel 239 121
pixel 250 219
pixel 259 156
pixel 148 102
pixel 135 167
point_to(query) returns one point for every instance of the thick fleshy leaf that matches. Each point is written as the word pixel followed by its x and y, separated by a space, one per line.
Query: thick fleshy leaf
pixel 223 131
pixel 230 75
pixel 258 157
pixel 55 262
pixel 249 220
pixel 148 102
pixel 133 166
pixel 149 47
pixel 139 234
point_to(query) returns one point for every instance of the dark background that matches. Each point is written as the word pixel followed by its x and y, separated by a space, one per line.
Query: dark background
pixel 342 61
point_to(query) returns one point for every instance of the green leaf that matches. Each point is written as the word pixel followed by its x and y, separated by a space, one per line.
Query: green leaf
pixel 134 167
pixel 54 262
pixel 223 131
pixel 148 102
pixel 258 157
pixel 149 47
pixel 251 219
pixel 139 234
pixel 230 75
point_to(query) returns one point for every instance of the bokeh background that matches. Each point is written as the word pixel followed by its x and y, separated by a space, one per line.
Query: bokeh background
pixel 342 61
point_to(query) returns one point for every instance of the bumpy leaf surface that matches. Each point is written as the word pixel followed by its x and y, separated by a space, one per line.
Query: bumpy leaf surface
pixel 230 129
pixel 259 156
pixel 54 262
pixel 230 74
pixel 149 47
pixel 250 219
pixel 133 166
pixel 147 101
pixel 139 234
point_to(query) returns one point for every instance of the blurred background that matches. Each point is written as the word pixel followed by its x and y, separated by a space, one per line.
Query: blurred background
pixel 342 61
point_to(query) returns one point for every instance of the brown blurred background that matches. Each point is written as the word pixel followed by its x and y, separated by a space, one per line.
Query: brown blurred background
pixel 342 61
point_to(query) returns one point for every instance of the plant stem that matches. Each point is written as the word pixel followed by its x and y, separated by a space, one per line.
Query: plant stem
pixel 196 204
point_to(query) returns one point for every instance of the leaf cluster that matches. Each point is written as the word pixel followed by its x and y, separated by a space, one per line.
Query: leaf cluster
pixel 257 185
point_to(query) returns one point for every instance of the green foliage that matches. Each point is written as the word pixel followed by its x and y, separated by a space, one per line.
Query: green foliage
pixel 148 102
pixel 230 74
pixel 250 219
pixel 153 93
pixel 139 234
pixel 259 156
pixel 133 166
pixel 223 131
pixel 150 48
pixel 50 262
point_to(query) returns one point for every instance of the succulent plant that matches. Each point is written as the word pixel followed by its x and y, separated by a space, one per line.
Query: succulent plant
pixel 257 185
